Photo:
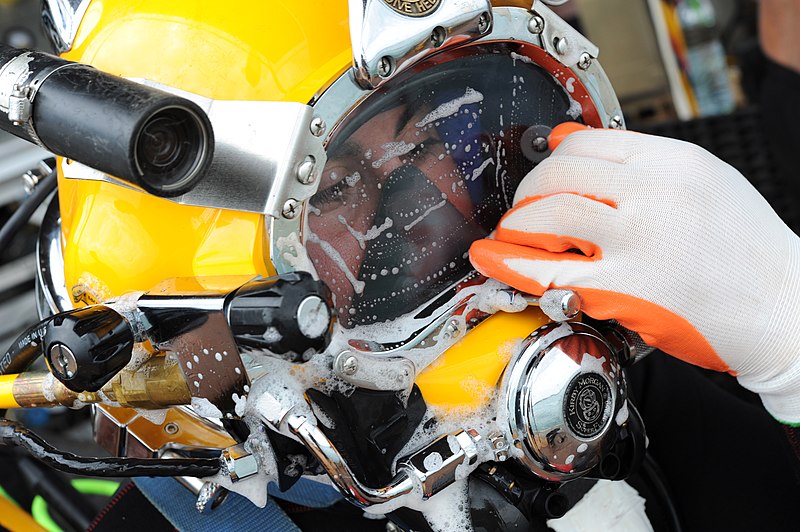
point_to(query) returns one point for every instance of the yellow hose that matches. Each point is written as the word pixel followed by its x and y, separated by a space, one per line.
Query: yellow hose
pixel 6 392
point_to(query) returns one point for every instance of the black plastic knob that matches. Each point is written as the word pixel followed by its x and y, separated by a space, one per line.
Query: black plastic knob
pixel 289 315
pixel 86 347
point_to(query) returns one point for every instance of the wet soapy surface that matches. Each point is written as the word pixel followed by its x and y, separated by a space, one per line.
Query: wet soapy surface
pixel 422 171
pixel 409 185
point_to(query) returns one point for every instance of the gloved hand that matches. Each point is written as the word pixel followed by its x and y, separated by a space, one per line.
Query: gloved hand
pixel 671 242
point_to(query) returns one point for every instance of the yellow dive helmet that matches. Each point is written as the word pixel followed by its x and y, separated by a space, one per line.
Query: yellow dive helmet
pixel 367 145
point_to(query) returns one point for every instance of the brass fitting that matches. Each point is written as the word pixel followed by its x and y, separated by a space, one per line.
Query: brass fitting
pixel 158 383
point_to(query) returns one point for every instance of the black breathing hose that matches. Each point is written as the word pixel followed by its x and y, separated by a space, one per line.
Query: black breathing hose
pixel 21 216
pixel 12 433
pixel 25 350
pixel 28 346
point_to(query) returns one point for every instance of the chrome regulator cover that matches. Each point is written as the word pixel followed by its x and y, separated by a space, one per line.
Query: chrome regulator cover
pixel 564 393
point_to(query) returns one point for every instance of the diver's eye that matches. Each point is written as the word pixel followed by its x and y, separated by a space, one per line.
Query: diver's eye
pixel 325 199
pixel 347 190
pixel 424 148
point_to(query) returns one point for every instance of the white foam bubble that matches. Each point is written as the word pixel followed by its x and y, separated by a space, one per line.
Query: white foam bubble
pixel 205 408
pixel 451 107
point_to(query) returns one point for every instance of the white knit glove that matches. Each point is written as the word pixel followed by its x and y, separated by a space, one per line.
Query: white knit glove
pixel 674 244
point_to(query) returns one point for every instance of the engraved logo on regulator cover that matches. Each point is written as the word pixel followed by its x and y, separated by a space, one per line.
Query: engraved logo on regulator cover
pixel 413 8
pixel 587 405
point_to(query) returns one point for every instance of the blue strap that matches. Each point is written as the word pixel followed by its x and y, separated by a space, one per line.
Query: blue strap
pixel 308 493
pixel 177 505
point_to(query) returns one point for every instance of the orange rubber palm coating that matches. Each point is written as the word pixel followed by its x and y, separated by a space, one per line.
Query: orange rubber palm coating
pixel 561 131
pixel 656 325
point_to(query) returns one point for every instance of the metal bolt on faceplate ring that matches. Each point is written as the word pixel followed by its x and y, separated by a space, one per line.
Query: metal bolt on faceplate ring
pixel 499 446
pixel 483 23
pixel 385 66
pixel 585 61
pixel 317 126
pixel 536 25
pixel 29 181
pixel 291 208
pixel 452 327
pixel 438 36
pixel 615 122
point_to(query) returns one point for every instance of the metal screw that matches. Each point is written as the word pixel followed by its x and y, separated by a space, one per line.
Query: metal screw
pixel 536 25
pixel 305 172
pixel 350 366
pixel 452 328
pixel 29 181
pixel 171 428
pixel 499 445
pixel 438 36
pixel 385 66
pixel 31 178
pixel 483 23
pixel 560 44
pixel 615 122
pixel 63 359
pixel 317 126
pixel 291 209
pixel 540 144
pixel 585 61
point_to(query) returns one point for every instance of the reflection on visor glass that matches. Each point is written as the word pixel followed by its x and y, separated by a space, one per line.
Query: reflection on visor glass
pixel 422 169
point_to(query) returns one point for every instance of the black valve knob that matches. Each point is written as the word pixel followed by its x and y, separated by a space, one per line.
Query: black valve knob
pixel 288 315
pixel 86 347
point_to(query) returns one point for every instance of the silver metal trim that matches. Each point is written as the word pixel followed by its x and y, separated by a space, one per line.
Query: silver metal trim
pixel 537 387
pixel 561 40
pixel 377 371
pixel 338 470
pixel 61 20
pixel 51 284
pixel 260 149
pixel 385 42
pixel 459 449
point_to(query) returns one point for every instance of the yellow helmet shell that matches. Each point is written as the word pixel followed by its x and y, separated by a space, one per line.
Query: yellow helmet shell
pixel 118 240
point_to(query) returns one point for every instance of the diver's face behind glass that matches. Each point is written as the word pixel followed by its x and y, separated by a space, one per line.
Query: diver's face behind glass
pixel 420 174
pixel 378 188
